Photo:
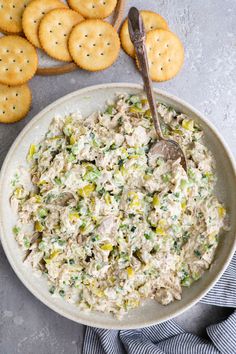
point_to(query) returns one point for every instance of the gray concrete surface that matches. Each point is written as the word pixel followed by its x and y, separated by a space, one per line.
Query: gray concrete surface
pixel 208 81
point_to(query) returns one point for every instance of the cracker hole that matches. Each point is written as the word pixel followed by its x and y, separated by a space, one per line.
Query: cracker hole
pixel 88 55
pixel 65 34
pixel 151 27
pixel 50 31
pixel 167 46
pixel 108 43
pixel 6 98
pixel 100 34
pixel 43 13
pixel 3 112
pixel 21 51
pixel 104 2
pixel 93 6
pixel 80 46
pixel 17 94
pixel 94 44
pixel 10 17
pixel 56 42
pixel 13 6
pixel 59 23
pixel 158 39
pixel 1 6
pixel 20 70
pixel 159 54
pixel 14 107
pixel 7 50
pixel 14 60
pixel 27 61
pixel 101 53
pixel 169 60
pixel 6 69
pixel 25 6
pixel 35 21
pixel 161 68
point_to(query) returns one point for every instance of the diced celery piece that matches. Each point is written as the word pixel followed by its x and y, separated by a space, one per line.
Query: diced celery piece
pixel 188 124
pixel 16 230
pixel 155 201
pixel 107 247
pixel 32 151
pixel 38 226
pixel 130 272
pixel 221 212
pixel 42 212
pixel 86 190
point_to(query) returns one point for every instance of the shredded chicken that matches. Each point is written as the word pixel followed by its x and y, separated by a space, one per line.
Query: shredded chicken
pixel 106 225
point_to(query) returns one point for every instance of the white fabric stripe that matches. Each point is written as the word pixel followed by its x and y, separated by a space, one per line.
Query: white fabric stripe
pixel 169 337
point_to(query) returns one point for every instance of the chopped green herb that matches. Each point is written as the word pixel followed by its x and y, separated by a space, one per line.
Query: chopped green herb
pixel 95 238
pixel 186 281
pixel 42 213
pixel 120 121
pixel 113 146
pixel 177 246
pixel 123 227
pixel 120 163
pixel 52 289
pixel 134 99
pixel 16 230
pixel 197 253
pixel 61 242
pixel 62 293
pixel 57 180
pixel 109 110
pixel 71 158
pixel 166 177
pixel 26 242
pixel 42 245
pixel 186 236
pixel 147 236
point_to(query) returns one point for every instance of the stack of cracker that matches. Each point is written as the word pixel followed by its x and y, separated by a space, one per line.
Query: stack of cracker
pixel 68 33
pixel 165 51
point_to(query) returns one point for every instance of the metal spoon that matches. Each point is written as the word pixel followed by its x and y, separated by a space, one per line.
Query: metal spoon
pixel 166 148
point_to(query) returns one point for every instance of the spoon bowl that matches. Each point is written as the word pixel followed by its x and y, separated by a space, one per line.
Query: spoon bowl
pixel 168 150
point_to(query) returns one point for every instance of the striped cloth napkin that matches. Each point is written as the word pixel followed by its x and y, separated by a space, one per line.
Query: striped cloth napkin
pixel 169 337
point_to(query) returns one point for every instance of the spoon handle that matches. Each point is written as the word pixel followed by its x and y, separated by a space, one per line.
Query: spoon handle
pixel 137 36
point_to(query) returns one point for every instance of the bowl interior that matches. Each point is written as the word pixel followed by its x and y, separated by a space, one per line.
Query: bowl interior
pixel 87 101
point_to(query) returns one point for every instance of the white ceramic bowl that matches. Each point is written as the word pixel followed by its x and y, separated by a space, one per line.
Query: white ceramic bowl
pixel 88 100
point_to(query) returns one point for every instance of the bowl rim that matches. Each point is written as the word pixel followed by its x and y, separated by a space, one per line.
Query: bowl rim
pixel 27 128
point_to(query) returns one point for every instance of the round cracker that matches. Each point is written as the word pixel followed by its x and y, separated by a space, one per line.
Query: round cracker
pixel 93 8
pixel 11 14
pixel 94 45
pixel 18 60
pixel 151 22
pixel 54 31
pixel 14 102
pixel 165 54
pixel 33 14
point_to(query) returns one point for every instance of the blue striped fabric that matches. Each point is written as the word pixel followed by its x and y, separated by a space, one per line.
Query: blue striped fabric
pixel 169 337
